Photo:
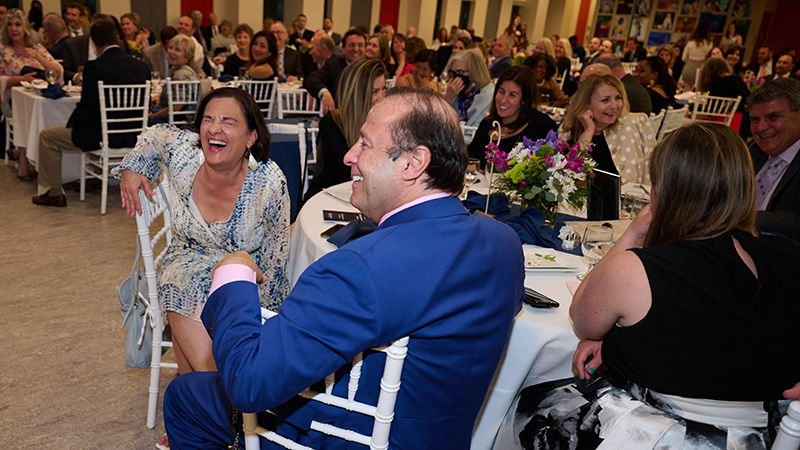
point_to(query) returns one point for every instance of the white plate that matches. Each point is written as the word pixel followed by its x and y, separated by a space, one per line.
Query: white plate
pixel 544 261
pixel 72 89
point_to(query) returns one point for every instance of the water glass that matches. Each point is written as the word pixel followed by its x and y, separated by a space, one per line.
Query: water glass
pixel 597 240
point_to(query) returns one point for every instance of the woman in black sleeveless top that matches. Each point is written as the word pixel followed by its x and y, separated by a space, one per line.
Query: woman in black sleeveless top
pixel 690 314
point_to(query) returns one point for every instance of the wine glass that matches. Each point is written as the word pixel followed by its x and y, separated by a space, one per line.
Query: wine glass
pixel 597 240
pixel 50 76
pixel 473 168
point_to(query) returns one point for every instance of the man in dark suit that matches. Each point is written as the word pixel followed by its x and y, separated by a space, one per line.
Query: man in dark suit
pixel 638 98
pixel 775 124
pixel 155 56
pixel 77 51
pixel 54 27
pixel 321 49
pixel 762 68
pixel 407 175
pixel 289 64
pixel 327 25
pixel 783 68
pixel 322 83
pixel 301 33
pixel 634 52
pixel 211 30
pixel 83 132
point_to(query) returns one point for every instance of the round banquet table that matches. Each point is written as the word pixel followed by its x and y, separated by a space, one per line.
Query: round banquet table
pixel 541 342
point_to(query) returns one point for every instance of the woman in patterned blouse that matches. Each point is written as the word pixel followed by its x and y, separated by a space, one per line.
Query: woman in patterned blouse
pixel 225 195
pixel 17 51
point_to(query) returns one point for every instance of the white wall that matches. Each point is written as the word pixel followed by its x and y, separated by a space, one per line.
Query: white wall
pixel 315 12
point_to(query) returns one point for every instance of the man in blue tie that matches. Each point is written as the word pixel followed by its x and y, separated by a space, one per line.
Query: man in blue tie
pixel 775 124
pixel 451 281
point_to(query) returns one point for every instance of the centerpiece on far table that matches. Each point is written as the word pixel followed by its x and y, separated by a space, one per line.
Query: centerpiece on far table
pixel 543 173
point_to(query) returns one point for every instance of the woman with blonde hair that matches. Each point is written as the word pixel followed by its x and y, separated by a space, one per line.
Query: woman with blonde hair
pixel 545 45
pixel 469 86
pixel 129 23
pixel 599 114
pixel 657 364
pixel 182 67
pixel 17 52
pixel 361 85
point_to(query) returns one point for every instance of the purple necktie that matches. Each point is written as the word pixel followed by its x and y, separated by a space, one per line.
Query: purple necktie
pixel 766 179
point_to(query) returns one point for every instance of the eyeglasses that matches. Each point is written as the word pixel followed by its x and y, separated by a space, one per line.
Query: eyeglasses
pixel 457 73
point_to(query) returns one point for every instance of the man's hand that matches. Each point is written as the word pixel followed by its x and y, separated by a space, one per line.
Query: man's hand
pixel 327 102
pixel 587 348
pixel 793 393
pixel 244 259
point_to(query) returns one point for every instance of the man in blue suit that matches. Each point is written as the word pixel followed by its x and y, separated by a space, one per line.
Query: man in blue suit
pixel 451 281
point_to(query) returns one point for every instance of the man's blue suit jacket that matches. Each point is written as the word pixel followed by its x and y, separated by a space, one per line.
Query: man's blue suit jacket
pixel 451 281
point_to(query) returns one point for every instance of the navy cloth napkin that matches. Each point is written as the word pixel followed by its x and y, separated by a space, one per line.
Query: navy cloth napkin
pixel 498 205
pixel 531 229
pixel 352 231
pixel 53 91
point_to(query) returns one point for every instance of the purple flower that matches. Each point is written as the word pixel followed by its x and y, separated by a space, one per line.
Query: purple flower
pixel 551 136
pixel 548 161
pixel 527 142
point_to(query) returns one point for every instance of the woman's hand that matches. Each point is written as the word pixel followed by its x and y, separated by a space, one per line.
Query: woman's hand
pixel 218 59
pixel 454 86
pixel 586 119
pixel 793 393
pixel 580 359
pixel 129 191
pixel 634 235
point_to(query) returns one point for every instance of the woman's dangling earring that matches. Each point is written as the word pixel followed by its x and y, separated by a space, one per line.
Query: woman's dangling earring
pixel 252 164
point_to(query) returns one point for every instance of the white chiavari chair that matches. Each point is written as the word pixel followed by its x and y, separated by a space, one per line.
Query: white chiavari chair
pixel 708 108
pixel 123 109
pixel 9 136
pixel 383 412
pixel 297 102
pixel 184 95
pixel 263 92
pixel 152 234
pixel 656 120
pixel 788 437
pixel 673 119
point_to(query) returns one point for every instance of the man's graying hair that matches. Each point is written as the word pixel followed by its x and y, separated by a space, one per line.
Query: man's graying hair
pixel 779 88
pixel 431 122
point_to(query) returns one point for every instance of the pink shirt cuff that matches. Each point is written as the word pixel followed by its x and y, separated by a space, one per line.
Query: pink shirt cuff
pixel 229 273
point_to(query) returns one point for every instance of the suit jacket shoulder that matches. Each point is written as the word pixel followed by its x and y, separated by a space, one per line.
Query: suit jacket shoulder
pixel 292 63
pixel 114 66
pixel 154 58
pixel 76 53
pixel 326 77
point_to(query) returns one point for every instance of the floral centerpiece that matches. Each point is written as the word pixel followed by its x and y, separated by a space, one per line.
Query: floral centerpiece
pixel 752 81
pixel 134 49
pixel 541 174
pixel 305 46
pixel 518 59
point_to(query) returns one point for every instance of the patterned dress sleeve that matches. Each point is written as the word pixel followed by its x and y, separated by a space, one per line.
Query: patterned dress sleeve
pixel 152 147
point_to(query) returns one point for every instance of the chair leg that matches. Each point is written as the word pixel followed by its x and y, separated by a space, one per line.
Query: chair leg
pixel 104 186
pixel 155 372
pixel 249 424
pixel 83 176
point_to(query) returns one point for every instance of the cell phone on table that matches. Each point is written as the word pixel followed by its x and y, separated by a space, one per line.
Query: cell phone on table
pixel 330 231
pixel 341 216
pixel 538 300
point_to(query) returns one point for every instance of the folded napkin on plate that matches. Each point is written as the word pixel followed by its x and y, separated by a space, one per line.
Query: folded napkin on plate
pixel 531 229
pixel 498 205
pixel 53 91
pixel 352 231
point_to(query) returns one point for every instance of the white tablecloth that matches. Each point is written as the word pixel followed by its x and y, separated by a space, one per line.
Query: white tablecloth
pixel 33 113
pixel 541 342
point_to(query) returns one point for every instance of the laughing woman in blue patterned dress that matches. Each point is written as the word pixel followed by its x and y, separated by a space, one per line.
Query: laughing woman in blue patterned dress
pixel 225 195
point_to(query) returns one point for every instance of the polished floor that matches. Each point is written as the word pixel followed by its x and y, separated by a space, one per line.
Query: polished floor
pixel 63 382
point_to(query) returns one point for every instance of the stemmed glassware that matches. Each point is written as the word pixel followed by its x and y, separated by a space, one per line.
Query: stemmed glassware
pixel 473 169
pixel 597 240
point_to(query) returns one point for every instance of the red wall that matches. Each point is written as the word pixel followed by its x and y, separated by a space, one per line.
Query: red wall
pixel 390 9
pixel 204 6
pixel 583 17
pixel 782 32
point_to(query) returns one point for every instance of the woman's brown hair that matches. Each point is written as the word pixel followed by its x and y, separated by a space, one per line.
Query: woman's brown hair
pixel 703 185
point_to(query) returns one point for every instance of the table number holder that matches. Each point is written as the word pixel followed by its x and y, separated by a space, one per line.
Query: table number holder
pixel 495 134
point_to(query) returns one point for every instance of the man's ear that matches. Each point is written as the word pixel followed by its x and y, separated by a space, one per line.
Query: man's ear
pixel 417 161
